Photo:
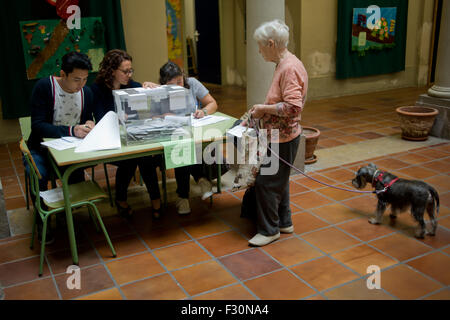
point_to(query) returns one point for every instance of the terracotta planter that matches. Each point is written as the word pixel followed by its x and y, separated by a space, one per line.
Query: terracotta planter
pixel 416 122
pixel 312 137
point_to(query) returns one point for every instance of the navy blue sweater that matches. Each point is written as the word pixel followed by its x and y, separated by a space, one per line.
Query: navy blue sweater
pixel 104 99
pixel 42 105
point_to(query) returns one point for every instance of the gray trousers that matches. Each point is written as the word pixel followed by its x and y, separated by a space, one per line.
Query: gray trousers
pixel 272 192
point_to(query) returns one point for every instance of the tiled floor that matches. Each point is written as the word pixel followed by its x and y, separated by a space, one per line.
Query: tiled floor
pixel 206 255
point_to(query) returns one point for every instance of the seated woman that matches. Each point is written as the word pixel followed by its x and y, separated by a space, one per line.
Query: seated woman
pixel 171 73
pixel 115 73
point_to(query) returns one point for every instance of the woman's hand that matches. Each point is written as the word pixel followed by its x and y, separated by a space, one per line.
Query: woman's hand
pixel 199 114
pixel 150 85
pixel 258 111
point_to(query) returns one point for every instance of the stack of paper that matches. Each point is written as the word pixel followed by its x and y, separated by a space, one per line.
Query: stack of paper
pixel 104 136
pixel 53 195
pixel 63 143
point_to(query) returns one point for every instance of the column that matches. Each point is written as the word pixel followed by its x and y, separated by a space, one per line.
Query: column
pixel 438 96
pixel 441 88
pixel 259 72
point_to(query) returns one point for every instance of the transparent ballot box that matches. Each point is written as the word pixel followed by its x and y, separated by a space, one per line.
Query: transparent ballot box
pixel 153 115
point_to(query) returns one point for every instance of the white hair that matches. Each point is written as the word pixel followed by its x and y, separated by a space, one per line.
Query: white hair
pixel 276 30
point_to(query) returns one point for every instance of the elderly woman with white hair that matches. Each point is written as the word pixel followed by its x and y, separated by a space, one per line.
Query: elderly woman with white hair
pixel 281 115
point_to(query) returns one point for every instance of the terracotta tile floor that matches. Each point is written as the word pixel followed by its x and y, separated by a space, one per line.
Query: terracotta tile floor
pixel 206 254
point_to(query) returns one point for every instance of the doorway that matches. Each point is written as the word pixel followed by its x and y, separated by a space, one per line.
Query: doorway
pixel 207 24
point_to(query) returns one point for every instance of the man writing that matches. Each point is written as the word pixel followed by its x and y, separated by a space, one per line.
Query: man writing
pixel 60 106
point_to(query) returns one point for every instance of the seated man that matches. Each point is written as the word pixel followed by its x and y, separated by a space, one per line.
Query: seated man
pixel 60 106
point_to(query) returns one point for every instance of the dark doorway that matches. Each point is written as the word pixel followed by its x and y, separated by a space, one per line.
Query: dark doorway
pixel 208 45
pixel 435 37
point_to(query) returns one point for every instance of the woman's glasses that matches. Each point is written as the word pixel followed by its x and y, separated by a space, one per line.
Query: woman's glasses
pixel 127 72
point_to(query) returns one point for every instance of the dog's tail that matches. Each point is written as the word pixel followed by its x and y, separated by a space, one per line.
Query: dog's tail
pixel 435 196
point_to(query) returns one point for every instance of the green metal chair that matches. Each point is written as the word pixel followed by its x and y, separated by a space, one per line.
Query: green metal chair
pixel 82 194
pixel 25 128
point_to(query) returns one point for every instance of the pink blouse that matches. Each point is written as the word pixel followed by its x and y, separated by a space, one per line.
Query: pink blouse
pixel 288 91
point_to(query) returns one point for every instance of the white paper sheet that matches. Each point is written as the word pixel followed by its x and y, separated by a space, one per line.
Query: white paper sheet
pixel 177 100
pixel 239 130
pixel 178 119
pixel 137 101
pixel 53 195
pixel 207 120
pixel 104 136
pixel 63 143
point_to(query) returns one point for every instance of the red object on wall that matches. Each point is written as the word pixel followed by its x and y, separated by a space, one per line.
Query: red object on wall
pixel 62 5
pixel 52 2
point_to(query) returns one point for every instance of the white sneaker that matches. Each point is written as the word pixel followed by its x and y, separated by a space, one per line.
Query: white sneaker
pixel 287 229
pixel 206 188
pixel 259 240
pixel 183 206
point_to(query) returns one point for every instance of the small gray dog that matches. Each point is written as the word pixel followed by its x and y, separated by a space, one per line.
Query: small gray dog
pixel 401 194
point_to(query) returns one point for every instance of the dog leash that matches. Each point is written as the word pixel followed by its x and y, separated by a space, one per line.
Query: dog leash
pixel 256 127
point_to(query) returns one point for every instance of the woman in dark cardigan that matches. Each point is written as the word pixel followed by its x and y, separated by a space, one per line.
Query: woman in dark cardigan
pixel 115 73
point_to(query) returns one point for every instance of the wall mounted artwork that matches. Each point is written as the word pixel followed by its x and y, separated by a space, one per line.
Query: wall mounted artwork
pixel 371 37
pixel 46 41
pixel 174 31
pixel 373 28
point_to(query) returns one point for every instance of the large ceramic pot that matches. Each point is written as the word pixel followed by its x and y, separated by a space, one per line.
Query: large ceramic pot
pixel 416 121
pixel 312 137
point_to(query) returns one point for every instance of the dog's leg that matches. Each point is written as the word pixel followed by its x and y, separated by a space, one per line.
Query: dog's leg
pixel 393 214
pixel 381 207
pixel 430 211
pixel 418 213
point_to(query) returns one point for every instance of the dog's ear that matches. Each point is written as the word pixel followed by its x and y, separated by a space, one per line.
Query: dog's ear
pixel 371 165
pixel 362 181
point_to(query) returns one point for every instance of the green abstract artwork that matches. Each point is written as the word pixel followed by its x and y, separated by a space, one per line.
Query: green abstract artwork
pixel 46 41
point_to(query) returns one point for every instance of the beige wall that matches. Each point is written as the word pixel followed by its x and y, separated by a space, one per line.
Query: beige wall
pixel 144 24
pixel 313 26
pixel 318 51
pixel 232 42
pixel 293 20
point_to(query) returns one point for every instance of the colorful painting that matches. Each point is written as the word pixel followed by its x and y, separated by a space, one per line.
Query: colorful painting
pixel 174 31
pixel 373 28
pixel 46 41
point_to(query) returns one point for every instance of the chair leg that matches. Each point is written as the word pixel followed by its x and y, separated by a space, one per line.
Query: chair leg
pixel 94 219
pixel 164 184
pixel 210 179
pixel 27 181
pixel 111 202
pixel 33 231
pixel 100 221
pixel 43 240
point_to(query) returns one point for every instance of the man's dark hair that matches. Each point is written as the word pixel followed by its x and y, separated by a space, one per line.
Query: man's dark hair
pixel 75 60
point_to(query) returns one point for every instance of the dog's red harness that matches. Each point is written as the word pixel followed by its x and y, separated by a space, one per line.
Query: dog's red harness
pixel 386 185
